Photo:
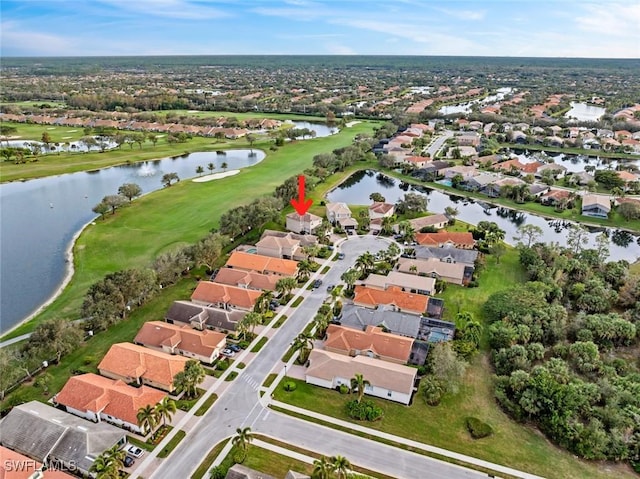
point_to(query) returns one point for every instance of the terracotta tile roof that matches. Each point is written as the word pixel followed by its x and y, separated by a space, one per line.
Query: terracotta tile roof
pixel 161 334
pixel 393 295
pixel 380 208
pixel 442 237
pixel 627 176
pixel 383 374
pixel 213 293
pixel 131 360
pixel 346 340
pixel 10 460
pixel 262 264
pixel 250 279
pixel 90 392
pixel 556 194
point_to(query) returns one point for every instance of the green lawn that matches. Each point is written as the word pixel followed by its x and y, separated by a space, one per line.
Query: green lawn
pixel 258 346
pixel 175 216
pixel 206 463
pixel 206 405
pixel 511 444
pixel 274 464
pixel 175 440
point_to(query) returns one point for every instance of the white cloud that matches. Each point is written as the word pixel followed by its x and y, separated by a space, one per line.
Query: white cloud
pixel 337 49
pixel 612 19
pixel 474 15
pixel 178 9
pixel 16 40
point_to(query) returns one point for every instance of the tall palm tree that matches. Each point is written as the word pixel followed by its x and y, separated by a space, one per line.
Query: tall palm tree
pixel 104 468
pixel 303 342
pixel 359 383
pixel 285 285
pixel 252 320
pixel 387 224
pixel 304 270
pixel 165 410
pixel 116 456
pixel 147 418
pixel 341 466
pixel 322 468
pixel 350 277
pixel 224 166
pixel 242 439
pixel 365 262
pixel 211 167
pixel 263 302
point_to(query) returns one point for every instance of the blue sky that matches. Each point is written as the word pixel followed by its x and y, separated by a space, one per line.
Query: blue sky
pixel 604 29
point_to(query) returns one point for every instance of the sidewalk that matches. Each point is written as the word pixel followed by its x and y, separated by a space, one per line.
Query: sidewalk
pixel 407 442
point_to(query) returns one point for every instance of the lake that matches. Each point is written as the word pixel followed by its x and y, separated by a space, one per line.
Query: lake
pixel 357 188
pixel 39 218
pixel 466 107
pixel 574 163
pixel 584 112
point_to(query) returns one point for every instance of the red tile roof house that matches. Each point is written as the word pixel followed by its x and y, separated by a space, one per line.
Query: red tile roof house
pixel 98 399
pixel 388 380
pixel 136 364
pixel 262 264
pixel 224 296
pixel 372 342
pixel 205 346
pixel 392 297
pixel 14 465
pixel 246 279
pixel 443 239
pixel 553 196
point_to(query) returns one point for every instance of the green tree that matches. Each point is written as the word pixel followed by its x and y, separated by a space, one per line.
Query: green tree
pixel 284 286
pixel 350 277
pixel 241 440
pixel 101 209
pixel 148 418
pixel 199 170
pixel 375 196
pixel 432 391
pixel 447 367
pixel 55 337
pixel 322 468
pixel 341 466
pixel 528 235
pixel 303 342
pixel 359 384
pixel 169 178
pixel 211 167
pixel 224 166
pixel 130 190
pixel 577 237
pixel 46 139
pixel 189 379
pixel 114 202
pixel 251 320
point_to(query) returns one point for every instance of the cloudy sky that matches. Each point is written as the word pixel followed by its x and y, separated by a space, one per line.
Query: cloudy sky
pixel 557 28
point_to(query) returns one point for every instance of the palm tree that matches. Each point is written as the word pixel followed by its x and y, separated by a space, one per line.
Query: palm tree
pixel 263 302
pixel 242 439
pixel 303 342
pixel 147 419
pixel 359 383
pixel 413 268
pixel 304 270
pixel 165 410
pixel 285 285
pixel 365 262
pixel 451 212
pixel 116 455
pixel 322 231
pixel 311 250
pixel 341 466
pixel 199 170
pixel 211 167
pixel 189 379
pixel 387 224
pixel 472 331
pixel 104 468
pixel 251 320
pixel 350 277
pixel 224 166
pixel 322 468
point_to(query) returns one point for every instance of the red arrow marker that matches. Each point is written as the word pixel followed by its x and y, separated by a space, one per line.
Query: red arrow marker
pixel 301 205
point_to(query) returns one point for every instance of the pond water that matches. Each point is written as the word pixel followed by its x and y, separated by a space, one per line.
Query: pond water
pixel 38 219
pixel 466 107
pixel 321 129
pixel 72 146
pixel 573 163
pixel 357 188
pixel 584 112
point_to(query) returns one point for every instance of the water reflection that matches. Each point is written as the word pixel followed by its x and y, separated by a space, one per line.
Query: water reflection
pixel 357 188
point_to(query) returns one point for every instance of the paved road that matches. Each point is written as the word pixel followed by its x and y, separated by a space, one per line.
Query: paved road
pixel 435 146
pixel 239 406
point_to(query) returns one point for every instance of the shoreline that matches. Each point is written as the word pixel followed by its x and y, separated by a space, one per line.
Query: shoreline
pixel 68 276
pixel 214 176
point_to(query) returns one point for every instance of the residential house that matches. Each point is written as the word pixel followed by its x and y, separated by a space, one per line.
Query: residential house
pixel 386 380
pixel 262 264
pixel 202 317
pixel 582 178
pixel 97 398
pixel 396 322
pixel 392 298
pixel 306 223
pixel 136 364
pixel 555 196
pixel 468 139
pixel 18 466
pixel 537 189
pixel 479 182
pixel 275 247
pixel 406 282
pixel 465 171
pixel 380 210
pixel 558 171
pixel 493 189
pixel 246 279
pixel 337 212
pixel 431 170
pixel 627 177
pixel 372 342
pixel 596 206
pixel 205 346
pixel 456 273
pixel 416 161
pixel 447 255
pixel 443 239
pixel 56 438
pixel 434 221
pixel 224 296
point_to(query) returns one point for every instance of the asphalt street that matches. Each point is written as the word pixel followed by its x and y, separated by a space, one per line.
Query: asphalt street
pixel 239 405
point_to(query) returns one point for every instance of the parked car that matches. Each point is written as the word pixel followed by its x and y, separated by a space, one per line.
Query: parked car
pixel 128 461
pixel 135 451
pixel 228 353
pixel 330 288
pixel 234 347
pixel 340 255
pixel 317 283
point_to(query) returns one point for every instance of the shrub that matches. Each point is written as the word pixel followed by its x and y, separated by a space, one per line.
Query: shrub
pixel 432 391
pixel 366 410
pixel 290 386
pixel 477 428
pixel 222 365
pixel 344 389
